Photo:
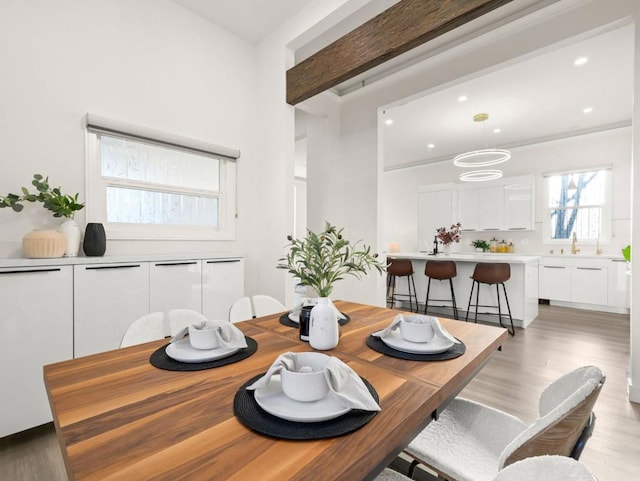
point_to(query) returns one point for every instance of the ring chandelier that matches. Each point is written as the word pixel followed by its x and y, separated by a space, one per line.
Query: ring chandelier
pixel 481 158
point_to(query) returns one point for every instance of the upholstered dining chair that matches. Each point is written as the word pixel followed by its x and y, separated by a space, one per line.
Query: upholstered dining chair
pixel 241 310
pixel 181 318
pixel 391 475
pixel 547 468
pixel 149 327
pixel 265 305
pixel 473 442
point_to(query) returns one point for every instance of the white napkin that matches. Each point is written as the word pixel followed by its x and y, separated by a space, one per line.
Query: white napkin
pixel 229 336
pixel 344 384
pixel 313 301
pixel 419 319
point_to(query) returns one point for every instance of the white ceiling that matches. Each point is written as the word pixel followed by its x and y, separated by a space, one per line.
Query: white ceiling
pixel 536 99
pixel 252 20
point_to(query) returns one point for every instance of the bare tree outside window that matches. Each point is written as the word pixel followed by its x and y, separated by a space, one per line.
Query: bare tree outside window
pixel 578 208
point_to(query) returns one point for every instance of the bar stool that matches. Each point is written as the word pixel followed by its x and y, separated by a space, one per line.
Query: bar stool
pixel 400 268
pixel 441 271
pixel 491 273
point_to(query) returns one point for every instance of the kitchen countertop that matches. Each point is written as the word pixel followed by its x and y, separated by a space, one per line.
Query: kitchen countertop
pixel 468 257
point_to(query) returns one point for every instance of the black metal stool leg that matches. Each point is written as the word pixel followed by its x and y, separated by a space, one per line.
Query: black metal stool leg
pixel 415 295
pixel 453 301
pixel 499 310
pixel 477 302
pixel 426 301
pixel 466 318
pixel 506 298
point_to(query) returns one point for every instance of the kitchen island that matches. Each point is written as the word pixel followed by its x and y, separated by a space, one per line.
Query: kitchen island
pixel 522 288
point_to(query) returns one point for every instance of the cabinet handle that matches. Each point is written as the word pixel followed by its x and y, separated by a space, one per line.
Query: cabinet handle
pixel 176 263
pixel 223 261
pixel 618 260
pixel 95 268
pixel 554 267
pixel 589 268
pixel 491 228
pixel 517 228
pixel 30 271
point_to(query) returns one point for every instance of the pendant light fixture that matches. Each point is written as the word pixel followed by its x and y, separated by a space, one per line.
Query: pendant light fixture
pixel 481 158
pixel 572 187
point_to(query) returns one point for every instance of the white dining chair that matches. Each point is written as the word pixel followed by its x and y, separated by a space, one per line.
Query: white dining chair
pixel 266 305
pixel 181 318
pixel 149 327
pixel 473 442
pixel 547 468
pixel 241 310
pixel 391 475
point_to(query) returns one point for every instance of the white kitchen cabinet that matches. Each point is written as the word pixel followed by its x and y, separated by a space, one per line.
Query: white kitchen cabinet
pixel 491 202
pixel 469 208
pixel 175 285
pixel 36 325
pixel 589 283
pixel 107 298
pixel 578 280
pixel 554 280
pixel 619 284
pixel 436 208
pixel 519 204
pixel 222 284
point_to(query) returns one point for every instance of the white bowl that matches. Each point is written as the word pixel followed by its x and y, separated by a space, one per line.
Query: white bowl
pixel 416 328
pixel 306 386
pixel 203 337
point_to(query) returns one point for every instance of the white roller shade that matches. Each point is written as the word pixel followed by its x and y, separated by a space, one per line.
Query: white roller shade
pixel 99 124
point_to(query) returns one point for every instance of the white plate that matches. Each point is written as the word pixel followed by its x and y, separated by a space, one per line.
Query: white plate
pixel 436 345
pixel 274 401
pixel 294 316
pixel 182 351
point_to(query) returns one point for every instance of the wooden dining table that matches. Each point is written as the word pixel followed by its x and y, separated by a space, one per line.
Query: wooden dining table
pixel 118 418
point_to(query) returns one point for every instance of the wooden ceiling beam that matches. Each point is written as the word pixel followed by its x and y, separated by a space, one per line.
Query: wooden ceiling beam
pixel 405 25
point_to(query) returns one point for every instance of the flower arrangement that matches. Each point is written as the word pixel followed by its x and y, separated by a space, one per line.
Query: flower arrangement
pixel 319 260
pixel 448 237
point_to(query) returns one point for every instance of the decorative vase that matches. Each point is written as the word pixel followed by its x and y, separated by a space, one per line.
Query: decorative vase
pixel 323 328
pixel 446 249
pixel 71 231
pixel 43 244
pixel 95 240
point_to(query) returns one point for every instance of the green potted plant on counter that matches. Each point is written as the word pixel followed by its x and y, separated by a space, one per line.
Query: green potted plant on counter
pixel 61 205
pixel 480 245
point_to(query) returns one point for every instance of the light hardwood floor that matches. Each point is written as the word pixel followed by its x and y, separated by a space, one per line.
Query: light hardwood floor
pixel 559 340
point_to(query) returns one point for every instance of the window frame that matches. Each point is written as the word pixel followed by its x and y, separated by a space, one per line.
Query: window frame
pixel 605 227
pixel 96 205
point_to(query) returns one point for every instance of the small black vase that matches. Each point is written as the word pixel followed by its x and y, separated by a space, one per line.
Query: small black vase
pixel 95 240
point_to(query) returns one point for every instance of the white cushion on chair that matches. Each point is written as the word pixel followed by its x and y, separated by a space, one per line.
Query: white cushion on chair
pixel 241 310
pixel 149 327
pixel 266 305
pixel 469 432
pixel 391 475
pixel 547 468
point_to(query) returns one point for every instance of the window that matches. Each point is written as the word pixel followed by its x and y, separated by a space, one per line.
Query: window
pixel 156 186
pixel 578 202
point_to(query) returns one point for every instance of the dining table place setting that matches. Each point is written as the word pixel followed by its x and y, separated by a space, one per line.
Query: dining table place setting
pixel 304 396
pixel 202 346
pixel 303 308
pixel 416 337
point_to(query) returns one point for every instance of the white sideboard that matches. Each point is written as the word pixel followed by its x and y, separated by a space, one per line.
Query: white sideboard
pixel 57 309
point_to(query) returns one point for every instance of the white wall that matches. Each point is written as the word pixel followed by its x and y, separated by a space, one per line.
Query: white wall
pixel 606 148
pixel 147 62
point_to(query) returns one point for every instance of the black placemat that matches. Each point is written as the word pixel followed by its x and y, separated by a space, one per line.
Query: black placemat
pixel 377 344
pixel 161 360
pixel 249 413
pixel 285 321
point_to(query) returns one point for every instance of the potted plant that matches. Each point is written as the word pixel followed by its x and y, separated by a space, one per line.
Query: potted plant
pixel 52 199
pixel 319 261
pixel 480 245
pixel 449 236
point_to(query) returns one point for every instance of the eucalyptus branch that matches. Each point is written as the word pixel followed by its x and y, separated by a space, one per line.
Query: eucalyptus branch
pixel 52 199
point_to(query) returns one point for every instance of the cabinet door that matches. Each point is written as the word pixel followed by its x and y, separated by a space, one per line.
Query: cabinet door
pixel 589 285
pixel 469 209
pixel 618 283
pixel 107 299
pixel 518 206
pixel 491 213
pixel 222 284
pixel 36 326
pixel 435 209
pixel 554 282
pixel 175 285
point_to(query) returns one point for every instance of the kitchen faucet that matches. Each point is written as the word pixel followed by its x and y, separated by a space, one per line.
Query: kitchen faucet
pixel 574 240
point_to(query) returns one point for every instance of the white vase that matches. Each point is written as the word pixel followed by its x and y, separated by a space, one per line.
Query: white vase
pixel 446 249
pixel 323 329
pixel 71 230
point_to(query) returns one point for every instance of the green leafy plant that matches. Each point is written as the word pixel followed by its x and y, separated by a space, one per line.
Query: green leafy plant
pixel 626 252
pixel 480 244
pixel 62 205
pixel 320 260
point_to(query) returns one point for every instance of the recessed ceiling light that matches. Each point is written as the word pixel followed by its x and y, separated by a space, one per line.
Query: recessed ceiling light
pixel 580 61
pixel 388 121
pixel 431 146
pixel 462 98
pixel 587 110
pixel 497 131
